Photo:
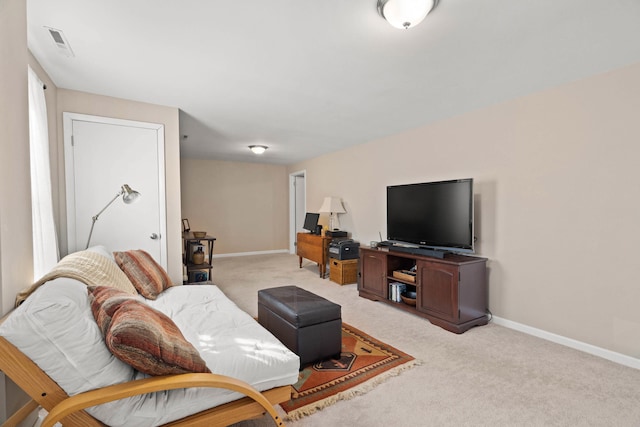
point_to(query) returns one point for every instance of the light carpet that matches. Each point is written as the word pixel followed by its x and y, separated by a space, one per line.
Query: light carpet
pixel 488 376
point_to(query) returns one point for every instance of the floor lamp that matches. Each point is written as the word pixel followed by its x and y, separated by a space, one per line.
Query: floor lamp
pixel 128 196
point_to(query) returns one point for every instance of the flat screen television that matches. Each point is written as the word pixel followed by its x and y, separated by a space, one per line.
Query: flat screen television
pixel 432 215
pixel 311 221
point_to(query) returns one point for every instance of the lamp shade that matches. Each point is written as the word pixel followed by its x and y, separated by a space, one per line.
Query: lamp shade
pixel 128 195
pixel 405 13
pixel 332 205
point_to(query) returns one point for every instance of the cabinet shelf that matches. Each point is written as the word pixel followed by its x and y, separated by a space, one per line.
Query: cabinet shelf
pixel 204 266
pixel 402 306
pixel 395 279
pixel 451 292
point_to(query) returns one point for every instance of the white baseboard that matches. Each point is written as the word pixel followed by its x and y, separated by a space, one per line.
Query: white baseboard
pixel 276 251
pixel 622 359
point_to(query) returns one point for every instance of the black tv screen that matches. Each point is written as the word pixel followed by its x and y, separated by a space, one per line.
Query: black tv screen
pixel 311 221
pixel 435 215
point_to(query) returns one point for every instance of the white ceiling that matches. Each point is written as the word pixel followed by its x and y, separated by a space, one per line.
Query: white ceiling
pixel 311 77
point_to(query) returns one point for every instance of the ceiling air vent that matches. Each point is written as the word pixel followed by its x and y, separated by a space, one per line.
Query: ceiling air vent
pixel 60 41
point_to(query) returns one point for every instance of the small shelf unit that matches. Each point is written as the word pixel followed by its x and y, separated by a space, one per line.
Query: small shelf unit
pixel 192 269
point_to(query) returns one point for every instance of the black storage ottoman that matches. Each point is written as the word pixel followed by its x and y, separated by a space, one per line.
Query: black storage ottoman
pixel 306 323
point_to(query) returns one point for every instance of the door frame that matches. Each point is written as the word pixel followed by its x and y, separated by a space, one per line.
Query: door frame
pixel 292 206
pixel 67 121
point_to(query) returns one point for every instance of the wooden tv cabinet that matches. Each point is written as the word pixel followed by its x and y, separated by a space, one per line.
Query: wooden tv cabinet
pixel 451 292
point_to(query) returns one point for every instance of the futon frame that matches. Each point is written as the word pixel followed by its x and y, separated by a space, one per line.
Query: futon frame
pixel 69 411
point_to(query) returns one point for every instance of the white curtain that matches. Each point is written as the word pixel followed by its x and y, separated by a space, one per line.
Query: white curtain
pixel 45 241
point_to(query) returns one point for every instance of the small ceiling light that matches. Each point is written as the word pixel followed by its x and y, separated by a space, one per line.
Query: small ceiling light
pixel 405 13
pixel 258 149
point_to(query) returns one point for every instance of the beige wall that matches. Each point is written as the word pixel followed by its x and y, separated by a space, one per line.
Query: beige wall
pixel 558 212
pixel 86 103
pixel 16 249
pixel 243 205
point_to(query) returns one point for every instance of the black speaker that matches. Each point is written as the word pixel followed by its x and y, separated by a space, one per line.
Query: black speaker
pixel 318 230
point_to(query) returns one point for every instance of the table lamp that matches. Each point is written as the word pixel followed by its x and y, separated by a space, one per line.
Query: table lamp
pixel 332 205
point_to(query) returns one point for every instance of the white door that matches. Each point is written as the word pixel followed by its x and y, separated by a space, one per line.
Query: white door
pixel 101 155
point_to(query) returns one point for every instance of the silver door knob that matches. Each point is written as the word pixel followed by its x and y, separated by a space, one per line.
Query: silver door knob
pixel 154 236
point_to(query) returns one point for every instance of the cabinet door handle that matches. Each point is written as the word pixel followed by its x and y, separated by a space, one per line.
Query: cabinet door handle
pixel 154 236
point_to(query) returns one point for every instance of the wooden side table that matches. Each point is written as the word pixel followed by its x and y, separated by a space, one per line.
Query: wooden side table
pixel 314 248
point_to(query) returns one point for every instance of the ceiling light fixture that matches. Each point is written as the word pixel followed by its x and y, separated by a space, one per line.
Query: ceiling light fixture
pixel 405 13
pixel 258 149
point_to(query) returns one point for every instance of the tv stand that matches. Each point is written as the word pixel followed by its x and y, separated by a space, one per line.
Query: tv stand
pixel 451 291
pixel 434 253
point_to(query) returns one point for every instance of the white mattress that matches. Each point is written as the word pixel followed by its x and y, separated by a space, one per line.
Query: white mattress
pixel 228 339
pixel 54 327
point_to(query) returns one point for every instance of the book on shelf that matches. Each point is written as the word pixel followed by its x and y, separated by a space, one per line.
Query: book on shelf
pixel 395 290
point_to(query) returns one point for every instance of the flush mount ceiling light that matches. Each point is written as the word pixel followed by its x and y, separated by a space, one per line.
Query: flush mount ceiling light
pixel 405 13
pixel 258 149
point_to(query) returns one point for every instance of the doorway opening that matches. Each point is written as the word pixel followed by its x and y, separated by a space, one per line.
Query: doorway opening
pixel 297 206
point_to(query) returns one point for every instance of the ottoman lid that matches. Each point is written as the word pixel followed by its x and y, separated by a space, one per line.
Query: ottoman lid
pixel 299 306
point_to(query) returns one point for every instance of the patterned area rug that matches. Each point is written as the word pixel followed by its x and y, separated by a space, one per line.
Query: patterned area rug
pixel 364 363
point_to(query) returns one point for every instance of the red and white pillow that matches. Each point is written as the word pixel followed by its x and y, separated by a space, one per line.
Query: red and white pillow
pixel 146 275
pixel 142 337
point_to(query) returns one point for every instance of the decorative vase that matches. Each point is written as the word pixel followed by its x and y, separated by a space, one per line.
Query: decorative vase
pixel 198 256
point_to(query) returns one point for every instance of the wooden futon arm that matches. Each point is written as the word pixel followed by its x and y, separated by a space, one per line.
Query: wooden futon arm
pixel 148 385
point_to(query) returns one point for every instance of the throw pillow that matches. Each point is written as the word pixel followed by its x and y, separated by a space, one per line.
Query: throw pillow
pixel 146 275
pixel 142 337
pixel 104 301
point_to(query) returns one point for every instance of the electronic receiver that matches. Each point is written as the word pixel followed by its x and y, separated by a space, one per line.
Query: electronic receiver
pixel 343 249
